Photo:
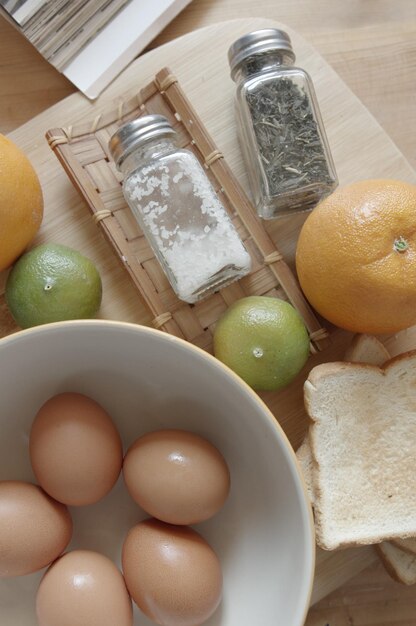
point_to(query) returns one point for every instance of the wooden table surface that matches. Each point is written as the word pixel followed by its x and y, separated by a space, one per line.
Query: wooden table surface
pixel 372 45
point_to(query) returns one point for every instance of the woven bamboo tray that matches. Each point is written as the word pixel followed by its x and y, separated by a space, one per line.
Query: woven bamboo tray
pixel 83 152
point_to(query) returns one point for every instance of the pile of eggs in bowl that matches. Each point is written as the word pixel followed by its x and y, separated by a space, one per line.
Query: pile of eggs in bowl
pixel 169 570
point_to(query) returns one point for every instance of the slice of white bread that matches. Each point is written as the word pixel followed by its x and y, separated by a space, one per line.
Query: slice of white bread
pixel 400 565
pixel 363 436
pixel 367 349
pixel 363 349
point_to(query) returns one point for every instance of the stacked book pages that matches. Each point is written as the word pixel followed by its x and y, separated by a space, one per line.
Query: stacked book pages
pixel 90 41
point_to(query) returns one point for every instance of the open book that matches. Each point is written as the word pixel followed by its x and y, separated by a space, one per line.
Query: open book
pixel 90 41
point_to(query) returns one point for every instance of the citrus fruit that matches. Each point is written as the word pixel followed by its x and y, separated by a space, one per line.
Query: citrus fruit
pixel 356 257
pixel 263 340
pixel 51 283
pixel 21 202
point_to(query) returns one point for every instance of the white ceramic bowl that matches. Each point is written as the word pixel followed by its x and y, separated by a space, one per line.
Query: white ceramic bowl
pixel 148 380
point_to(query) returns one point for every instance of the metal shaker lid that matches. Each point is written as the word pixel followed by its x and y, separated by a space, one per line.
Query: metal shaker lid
pixel 129 136
pixel 257 42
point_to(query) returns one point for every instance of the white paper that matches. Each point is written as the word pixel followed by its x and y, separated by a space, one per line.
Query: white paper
pixel 120 41
pixel 25 11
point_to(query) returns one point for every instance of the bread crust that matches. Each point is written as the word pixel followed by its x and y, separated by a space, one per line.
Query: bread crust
pixel 392 570
pixel 408 545
pixel 367 349
pixel 410 354
pixel 388 565
pixel 330 369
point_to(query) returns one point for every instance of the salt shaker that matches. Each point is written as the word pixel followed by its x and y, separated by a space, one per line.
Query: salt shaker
pixel 177 209
pixel 283 140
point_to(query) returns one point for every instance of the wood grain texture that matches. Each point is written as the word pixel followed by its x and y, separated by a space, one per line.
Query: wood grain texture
pixel 371 45
pixel 28 84
pixel 357 142
pixel 371 598
pixel 302 15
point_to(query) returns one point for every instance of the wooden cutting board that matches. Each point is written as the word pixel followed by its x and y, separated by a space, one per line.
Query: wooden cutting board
pixel 360 148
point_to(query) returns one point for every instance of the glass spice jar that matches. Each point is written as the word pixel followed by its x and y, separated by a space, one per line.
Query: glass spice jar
pixel 280 128
pixel 177 209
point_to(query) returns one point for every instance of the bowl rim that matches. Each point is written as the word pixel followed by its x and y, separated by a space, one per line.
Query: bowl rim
pixel 139 328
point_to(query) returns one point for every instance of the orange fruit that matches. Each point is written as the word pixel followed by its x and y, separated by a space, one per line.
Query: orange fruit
pixel 21 202
pixel 356 257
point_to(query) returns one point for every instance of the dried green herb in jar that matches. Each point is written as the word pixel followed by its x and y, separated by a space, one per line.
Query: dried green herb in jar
pixel 284 144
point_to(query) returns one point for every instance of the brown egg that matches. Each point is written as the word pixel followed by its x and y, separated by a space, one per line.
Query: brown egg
pixel 75 449
pixel 176 476
pixel 83 588
pixel 34 529
pixel 172 574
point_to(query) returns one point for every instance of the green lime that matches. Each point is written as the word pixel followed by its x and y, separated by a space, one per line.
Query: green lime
pixel 263 340
pixel 51 283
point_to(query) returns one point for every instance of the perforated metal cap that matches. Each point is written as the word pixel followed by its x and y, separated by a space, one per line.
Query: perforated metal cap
pixel 257 42
pixel 129 136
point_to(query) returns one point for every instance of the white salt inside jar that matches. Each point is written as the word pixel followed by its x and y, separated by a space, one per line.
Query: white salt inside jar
pixel 179 212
